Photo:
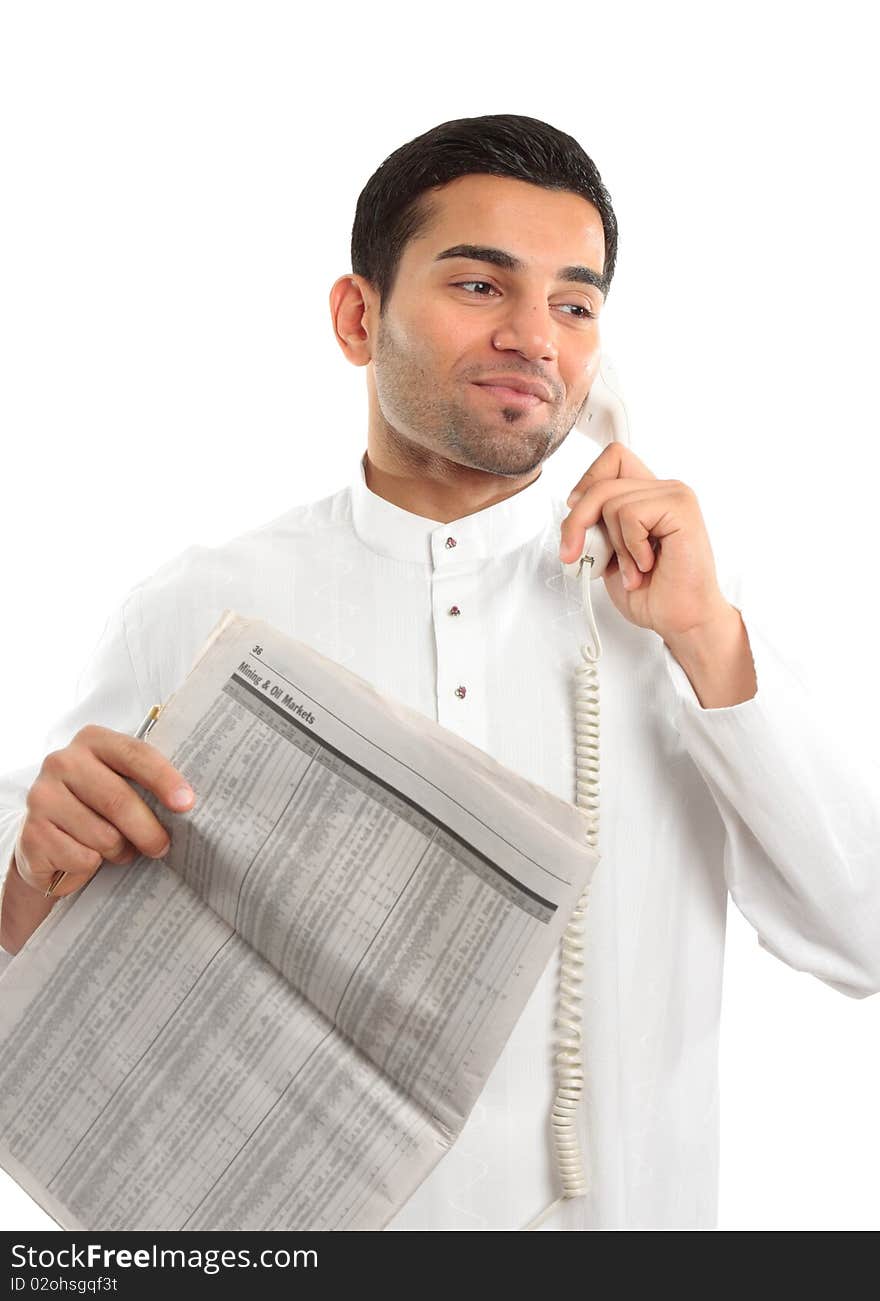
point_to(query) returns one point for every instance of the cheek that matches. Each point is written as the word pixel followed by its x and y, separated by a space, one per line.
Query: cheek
pixel 583 374
pixel 449 337
pixel 590 368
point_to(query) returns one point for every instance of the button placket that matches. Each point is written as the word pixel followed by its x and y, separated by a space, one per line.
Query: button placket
pixel 452 585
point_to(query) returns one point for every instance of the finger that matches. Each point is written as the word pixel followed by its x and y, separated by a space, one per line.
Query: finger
pixel 141 761
pixel 44 849
pixel 591 507
pixel 616 461
pixel 108 794
pixel 636 515
pixel 629 572
pixel 57 802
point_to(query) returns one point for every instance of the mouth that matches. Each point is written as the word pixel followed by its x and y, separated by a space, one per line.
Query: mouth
pixel 510 396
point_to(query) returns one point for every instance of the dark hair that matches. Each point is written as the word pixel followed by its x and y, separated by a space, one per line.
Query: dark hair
pixel 393 207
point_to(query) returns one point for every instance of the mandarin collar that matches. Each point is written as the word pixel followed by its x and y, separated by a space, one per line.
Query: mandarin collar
pixel 493 531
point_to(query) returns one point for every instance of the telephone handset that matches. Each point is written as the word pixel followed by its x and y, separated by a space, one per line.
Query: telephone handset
pixel 604 419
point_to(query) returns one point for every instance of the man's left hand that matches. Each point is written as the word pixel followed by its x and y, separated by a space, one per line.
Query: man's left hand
pixel 660 542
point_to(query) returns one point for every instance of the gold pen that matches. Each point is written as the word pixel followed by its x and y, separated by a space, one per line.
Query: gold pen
pixel 139 735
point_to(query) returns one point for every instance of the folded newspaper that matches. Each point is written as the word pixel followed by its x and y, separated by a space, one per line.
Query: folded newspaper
pixel 286 1022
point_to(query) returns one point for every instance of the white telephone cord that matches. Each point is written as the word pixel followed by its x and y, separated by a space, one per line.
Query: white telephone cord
pixel 569 1054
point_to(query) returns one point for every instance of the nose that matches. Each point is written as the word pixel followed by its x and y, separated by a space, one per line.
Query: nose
pixel 527 328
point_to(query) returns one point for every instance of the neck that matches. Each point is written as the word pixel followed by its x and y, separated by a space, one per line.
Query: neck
pixel 429 485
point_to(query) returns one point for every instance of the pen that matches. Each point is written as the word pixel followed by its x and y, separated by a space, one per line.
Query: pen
pixel 139 735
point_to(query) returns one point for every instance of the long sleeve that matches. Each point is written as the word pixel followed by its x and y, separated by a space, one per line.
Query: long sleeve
pixel 799 797
pixel 110 692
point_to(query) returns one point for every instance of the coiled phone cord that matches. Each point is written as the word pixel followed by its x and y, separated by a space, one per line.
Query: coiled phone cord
pixel 569 1054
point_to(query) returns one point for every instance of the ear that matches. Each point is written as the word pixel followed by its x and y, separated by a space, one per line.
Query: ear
pixel 604 419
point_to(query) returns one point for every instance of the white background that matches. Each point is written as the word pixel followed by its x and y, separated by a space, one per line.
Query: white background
pixel 179 186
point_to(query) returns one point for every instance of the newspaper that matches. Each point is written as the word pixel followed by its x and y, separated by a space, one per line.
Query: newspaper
pixel 286 1022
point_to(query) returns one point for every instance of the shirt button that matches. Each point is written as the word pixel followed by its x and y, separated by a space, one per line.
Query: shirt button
pixel 461 692
pixel 451 542
pixel 454 610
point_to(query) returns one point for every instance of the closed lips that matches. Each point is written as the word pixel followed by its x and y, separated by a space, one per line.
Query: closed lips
pixel 519 385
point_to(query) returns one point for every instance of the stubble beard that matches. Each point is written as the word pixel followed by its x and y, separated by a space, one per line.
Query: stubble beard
pixel 508 441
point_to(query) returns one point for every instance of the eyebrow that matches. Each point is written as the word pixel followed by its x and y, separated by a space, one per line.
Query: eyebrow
pixel 508 262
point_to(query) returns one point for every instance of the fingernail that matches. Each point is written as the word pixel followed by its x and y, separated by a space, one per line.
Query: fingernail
pixel 181 797
pixel 574 497
pixel 625 578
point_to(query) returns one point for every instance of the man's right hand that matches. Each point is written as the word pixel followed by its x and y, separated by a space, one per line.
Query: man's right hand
pixel 81 811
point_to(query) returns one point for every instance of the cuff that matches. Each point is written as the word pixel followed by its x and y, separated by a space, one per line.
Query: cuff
pixel 781 671
pixel 686 698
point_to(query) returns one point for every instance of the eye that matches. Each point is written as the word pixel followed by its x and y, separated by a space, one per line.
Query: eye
pixel 587 314
pixel 579 307
pixel 463 284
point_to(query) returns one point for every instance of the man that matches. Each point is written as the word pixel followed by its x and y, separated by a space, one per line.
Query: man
pixel 482 255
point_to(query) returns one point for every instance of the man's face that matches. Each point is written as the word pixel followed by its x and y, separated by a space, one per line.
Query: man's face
pixel 452 321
